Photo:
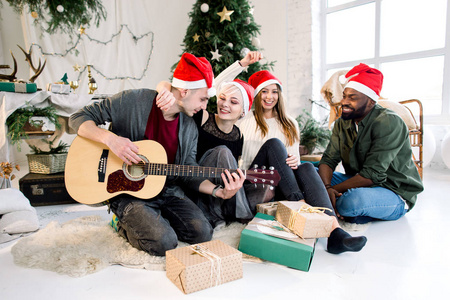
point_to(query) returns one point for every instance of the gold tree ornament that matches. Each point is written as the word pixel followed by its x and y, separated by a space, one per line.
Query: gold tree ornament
pixel 196 37
pixel 34 14
pixel 225 14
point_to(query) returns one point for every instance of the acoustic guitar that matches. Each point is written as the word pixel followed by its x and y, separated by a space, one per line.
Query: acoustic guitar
pixel 94 174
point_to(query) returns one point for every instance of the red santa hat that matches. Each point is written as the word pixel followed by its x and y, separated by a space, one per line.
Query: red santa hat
pixel 261 79
pixel 247 92
pixel 366 80
pixel 194 73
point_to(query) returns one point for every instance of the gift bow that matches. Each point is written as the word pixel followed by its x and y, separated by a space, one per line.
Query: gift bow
pixel 312 209
pixel 216 263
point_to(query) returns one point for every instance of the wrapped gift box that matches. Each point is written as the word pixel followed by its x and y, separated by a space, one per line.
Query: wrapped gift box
pixel 202 266
pixel 58 88
pixel 303 219
pixel 269 208
pixel 263 239
pixel 16 87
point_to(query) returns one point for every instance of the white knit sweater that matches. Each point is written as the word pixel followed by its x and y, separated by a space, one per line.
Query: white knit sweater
pixel 253 139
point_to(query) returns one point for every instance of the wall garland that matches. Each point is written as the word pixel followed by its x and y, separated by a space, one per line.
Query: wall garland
pixel 79 39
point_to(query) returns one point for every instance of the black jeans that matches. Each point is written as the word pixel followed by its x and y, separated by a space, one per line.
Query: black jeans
pixel 156 225
pixel 219 210
pixel 301 183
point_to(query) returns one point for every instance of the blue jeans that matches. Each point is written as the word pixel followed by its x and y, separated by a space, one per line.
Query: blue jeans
pixel 301 183
pixel 375 202
pixel 156 225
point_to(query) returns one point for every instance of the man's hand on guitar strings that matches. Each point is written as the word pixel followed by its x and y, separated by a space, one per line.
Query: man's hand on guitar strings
pixel 233 182
pixel 125 149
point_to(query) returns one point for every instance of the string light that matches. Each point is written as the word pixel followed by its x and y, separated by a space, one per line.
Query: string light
pixel 78 41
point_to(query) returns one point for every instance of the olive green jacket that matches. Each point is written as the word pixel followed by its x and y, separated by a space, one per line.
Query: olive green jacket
pixel 380 150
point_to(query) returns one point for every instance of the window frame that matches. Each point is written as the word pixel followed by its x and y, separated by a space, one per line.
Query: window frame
pixel 377 60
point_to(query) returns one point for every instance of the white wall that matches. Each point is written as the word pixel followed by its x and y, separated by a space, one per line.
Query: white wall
pixel 11 36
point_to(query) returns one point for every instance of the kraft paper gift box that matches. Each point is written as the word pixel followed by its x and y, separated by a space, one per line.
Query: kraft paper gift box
pixel 303 219
pixel 16 87
pixel 201 266
pixel 269 208
pixel 262 240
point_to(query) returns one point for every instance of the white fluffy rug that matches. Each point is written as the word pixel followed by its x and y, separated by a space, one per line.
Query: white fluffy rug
pixel 88 244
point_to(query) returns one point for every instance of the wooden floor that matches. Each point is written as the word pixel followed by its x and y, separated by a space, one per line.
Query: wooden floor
pixel 404 259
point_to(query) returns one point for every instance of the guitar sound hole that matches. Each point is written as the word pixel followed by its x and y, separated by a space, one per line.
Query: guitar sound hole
pixel 136 171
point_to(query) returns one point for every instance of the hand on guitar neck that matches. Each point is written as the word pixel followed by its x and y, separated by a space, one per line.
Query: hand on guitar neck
pixel 233 181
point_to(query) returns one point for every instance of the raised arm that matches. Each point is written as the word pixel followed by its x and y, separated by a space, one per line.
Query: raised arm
pixel 230 73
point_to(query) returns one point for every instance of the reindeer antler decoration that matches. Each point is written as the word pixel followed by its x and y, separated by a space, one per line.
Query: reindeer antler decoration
pixel 39 69
pixel 12 76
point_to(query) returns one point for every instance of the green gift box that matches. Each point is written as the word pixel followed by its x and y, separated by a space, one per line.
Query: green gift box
pixel 264 240
pixel 16 87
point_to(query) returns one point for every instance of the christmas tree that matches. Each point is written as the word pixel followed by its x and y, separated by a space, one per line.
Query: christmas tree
pixel 223 32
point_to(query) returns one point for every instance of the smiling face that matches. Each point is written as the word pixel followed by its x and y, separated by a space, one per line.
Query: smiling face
pixel 269 97
pixel 230 103
pixel 355 105
pixel 193 101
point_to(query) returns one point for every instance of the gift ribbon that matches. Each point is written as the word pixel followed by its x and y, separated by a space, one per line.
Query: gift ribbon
pixel 216 263
pixel 267 206
pixel 312 209
pixel 307 209
pixel 20 87
pixel 274 224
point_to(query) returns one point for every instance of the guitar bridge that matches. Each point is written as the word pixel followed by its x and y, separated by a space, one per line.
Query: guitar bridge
pixel 102 165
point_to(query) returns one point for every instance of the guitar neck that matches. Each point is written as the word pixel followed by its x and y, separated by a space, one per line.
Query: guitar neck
pixel 182 170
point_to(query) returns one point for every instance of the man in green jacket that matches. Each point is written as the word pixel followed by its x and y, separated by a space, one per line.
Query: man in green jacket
pixel 381 180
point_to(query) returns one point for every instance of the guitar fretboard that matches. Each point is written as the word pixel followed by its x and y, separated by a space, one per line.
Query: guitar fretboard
pixel 182 170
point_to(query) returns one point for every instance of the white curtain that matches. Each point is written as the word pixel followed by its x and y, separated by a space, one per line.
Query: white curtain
pixel 124 55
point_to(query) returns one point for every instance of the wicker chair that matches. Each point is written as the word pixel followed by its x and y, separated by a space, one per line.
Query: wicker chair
pixel 416 135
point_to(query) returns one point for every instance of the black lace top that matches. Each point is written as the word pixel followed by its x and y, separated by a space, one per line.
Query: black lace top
pixel 210 136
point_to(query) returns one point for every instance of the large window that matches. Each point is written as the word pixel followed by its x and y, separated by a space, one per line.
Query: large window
pixel 405 39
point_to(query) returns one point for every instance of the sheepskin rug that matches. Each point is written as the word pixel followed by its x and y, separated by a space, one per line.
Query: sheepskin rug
pixel 89 244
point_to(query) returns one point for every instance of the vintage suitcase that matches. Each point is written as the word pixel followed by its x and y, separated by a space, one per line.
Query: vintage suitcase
pixel 45 189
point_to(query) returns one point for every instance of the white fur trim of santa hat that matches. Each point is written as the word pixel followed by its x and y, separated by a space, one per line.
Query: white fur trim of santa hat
pixel 267 83
pixel 363 89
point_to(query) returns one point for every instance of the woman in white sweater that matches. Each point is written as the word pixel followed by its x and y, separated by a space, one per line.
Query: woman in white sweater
pixel 268 120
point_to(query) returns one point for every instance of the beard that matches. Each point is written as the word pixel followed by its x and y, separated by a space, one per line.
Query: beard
pixel 354 114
